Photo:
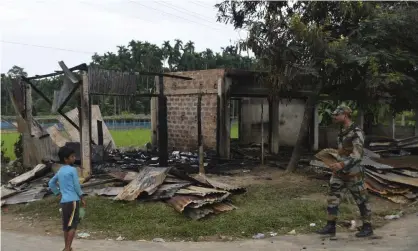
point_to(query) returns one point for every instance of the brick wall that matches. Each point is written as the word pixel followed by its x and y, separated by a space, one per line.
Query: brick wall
pixel 182 108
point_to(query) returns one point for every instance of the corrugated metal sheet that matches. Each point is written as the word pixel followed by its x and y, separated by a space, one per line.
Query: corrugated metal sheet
pixel 108 191
pixel 124 176
pixel 112 81
pixel 199 213
pixel 217 184
pixel 38 170
pixel 148 180
pixel 410 173
pixel 167 190
pixel 31 195
pixel 200 191
pixel 366 161
pixel 401 162
pixel 180 202
pixel 397 178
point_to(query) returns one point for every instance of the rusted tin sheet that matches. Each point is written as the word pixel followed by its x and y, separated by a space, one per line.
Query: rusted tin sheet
pixel 406 172
pixel 39 170
pixel 216 208
pixel 397 199
pixel 401 162
pixel 200 191
pixel 217 184
pixel 31 195
pixel 411 142
pixel 397 178
pixel 366 161
pixel 329 156
pixel 180 202
pixel 148 181
pixel 167 190
pixel 223 207
pixel 124 176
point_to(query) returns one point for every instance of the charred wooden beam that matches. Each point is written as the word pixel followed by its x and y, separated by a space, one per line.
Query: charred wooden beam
pixel 99 132
pixel 199 133
pixel 81 67
pixel 162 124
pixel 124 95
pixel 49 102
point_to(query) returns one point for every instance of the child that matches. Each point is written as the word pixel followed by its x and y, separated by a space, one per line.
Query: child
pixel 71 194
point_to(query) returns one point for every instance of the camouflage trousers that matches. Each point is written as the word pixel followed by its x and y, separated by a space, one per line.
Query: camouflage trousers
pixel 339 186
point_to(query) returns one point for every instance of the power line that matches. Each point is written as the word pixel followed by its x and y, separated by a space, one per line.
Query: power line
pixel 201 5
pixel 46 47
pixel 189 12
pixel 158 10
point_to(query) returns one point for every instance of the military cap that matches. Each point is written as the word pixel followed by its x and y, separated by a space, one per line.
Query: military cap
pixel 342 109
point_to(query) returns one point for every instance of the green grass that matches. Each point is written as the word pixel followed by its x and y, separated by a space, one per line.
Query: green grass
pixel 262 209
pixel 123 138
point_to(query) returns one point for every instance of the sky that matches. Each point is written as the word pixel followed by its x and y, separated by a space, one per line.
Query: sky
pixel 36 34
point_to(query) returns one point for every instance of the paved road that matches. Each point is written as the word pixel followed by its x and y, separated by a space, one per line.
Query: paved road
pixel 400 235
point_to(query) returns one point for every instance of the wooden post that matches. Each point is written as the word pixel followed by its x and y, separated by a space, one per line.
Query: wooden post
pixel 154 116
pixel 239 120
pixel 416 122
pixel 29 149
pixel 223 120
pixel 315 145
pixel 85 126
pixel 392 126
pixel 99 132
pixel 162 125
pixel 199 133
pixel 262 132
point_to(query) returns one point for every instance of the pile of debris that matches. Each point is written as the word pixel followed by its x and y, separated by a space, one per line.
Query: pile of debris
pixel 195 196
pixel 395 179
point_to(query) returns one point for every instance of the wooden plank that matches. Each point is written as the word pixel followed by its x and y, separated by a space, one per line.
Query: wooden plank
pixel 85 128
pixel 147 181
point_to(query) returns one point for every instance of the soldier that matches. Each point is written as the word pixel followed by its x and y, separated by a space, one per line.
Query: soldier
pixel 348 174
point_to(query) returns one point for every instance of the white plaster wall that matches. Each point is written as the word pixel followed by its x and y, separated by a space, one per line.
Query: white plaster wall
pixel 290 119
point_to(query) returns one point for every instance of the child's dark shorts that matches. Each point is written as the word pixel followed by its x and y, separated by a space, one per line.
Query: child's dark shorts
pixel 70 215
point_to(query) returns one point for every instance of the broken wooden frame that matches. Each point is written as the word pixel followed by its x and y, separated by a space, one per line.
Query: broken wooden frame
pixel 73 83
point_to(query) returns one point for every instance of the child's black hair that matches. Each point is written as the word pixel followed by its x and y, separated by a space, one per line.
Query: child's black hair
pixel 64 153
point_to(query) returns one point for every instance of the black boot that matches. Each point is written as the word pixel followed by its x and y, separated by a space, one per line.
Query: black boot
pixel 329 229
pixel 365 231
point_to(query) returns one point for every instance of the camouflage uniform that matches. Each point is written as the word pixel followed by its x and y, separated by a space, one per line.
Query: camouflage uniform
pixel 351 177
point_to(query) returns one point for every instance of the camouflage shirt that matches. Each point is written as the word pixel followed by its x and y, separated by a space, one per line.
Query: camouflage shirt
pixel 350 148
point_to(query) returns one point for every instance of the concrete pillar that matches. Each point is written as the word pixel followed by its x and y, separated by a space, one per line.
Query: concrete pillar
pixel 360 118
pixel 315 145
pixel 416 122
pixel 274 126
pixel 392 126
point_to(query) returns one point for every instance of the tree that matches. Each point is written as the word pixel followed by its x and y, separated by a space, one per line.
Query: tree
pixel 322 47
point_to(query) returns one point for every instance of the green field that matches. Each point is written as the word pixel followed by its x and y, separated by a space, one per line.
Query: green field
pixel 123 138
